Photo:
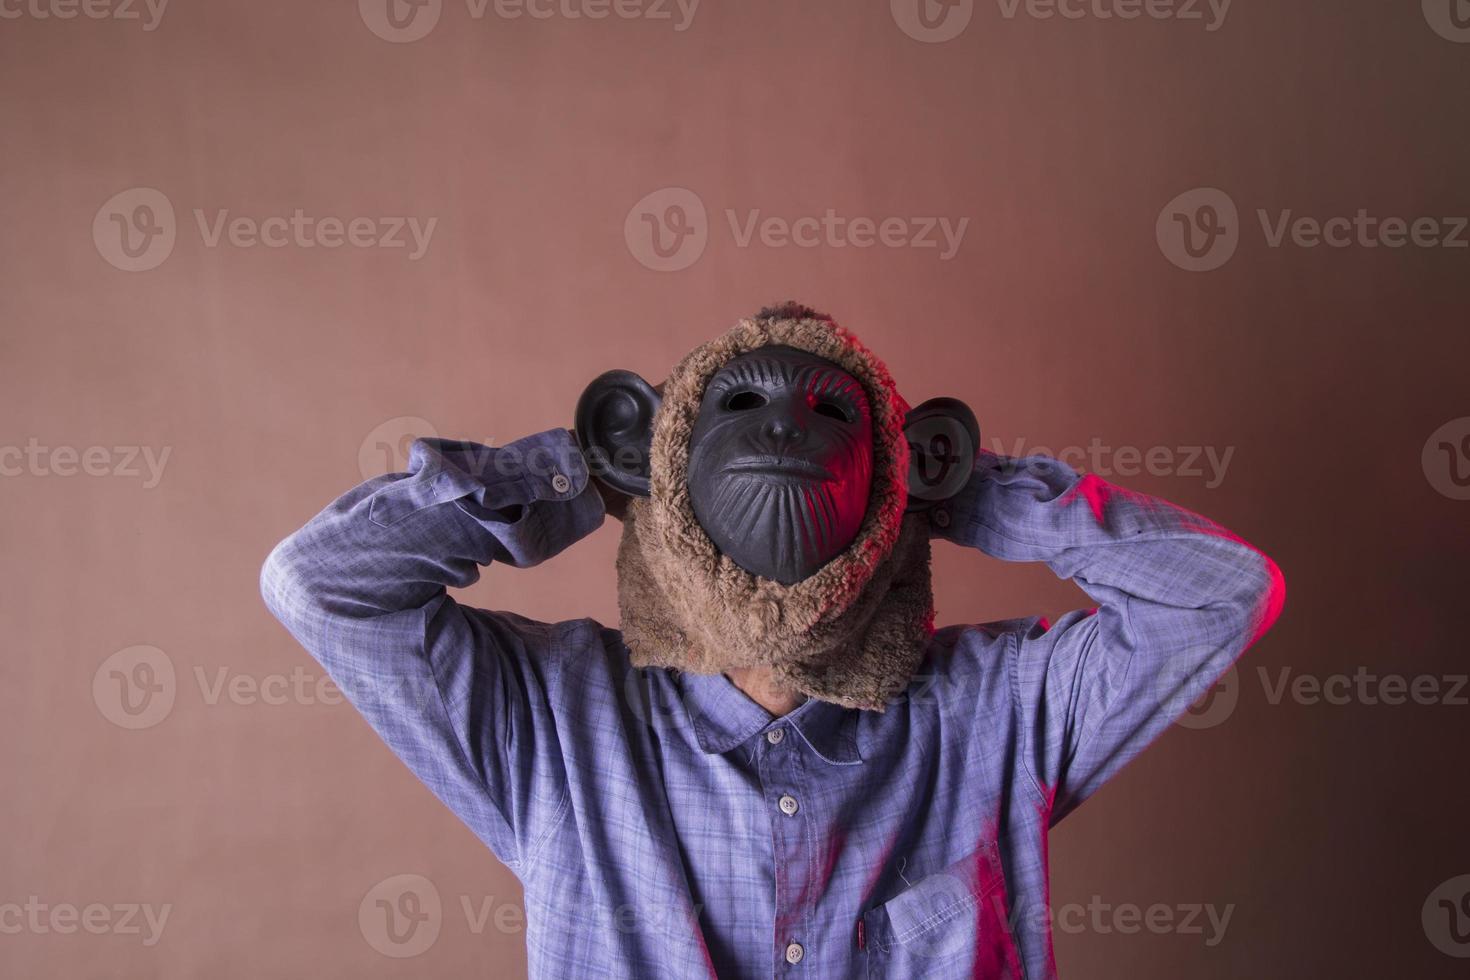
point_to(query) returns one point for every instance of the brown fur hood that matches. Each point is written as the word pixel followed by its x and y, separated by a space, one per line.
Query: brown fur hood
pixel 853 632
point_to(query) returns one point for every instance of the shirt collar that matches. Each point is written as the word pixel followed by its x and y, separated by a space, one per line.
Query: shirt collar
pixel 724 717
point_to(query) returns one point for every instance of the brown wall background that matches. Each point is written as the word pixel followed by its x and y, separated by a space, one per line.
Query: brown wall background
pixel 275 377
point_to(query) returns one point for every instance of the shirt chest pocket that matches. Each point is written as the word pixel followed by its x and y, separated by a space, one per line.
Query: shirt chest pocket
pixel 950 923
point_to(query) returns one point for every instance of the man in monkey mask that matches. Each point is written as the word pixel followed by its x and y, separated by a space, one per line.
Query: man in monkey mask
pixel 777 765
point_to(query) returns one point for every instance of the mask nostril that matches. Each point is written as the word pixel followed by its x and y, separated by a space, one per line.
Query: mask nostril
pixel 745 400
pixel 783 434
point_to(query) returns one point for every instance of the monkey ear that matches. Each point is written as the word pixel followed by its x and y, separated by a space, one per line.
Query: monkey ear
pixel 614 428
pixel 944 439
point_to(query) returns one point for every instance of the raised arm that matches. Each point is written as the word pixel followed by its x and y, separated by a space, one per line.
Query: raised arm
pixel 1180 598
pixel 459 694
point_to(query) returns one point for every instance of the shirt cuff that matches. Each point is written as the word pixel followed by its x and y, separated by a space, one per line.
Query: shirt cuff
pixel 545 466
pixel 1007 500
pixel 538 485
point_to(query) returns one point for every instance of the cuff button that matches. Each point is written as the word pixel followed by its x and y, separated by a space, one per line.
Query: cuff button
pixel 560 483
pixel 941 517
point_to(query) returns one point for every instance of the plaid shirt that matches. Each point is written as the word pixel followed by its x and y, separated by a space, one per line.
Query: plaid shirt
pixel 663 824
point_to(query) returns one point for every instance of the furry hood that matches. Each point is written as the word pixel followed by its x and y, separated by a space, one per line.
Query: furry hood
pixel 851 633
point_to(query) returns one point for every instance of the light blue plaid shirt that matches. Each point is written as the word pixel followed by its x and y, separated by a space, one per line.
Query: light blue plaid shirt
pixel 664 825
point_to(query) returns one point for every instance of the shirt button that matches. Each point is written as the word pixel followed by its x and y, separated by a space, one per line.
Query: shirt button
pixel 775 735
pixel 794 953
pixel 941 517
pixel 560 483
pixel 788 805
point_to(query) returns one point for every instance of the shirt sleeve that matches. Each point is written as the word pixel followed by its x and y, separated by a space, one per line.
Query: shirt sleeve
pixel 1180 598
pixel 461 695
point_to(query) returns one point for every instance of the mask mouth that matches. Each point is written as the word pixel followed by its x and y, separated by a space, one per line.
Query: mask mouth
pixel 783 466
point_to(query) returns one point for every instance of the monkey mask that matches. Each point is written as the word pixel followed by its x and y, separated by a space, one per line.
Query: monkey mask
pixel 778 512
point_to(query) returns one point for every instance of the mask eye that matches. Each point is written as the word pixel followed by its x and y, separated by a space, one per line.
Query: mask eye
pixel 831 410
pixel 744 401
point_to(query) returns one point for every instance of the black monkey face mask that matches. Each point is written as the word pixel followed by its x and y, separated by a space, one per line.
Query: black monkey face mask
pixel 782 464
pixel 778 507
